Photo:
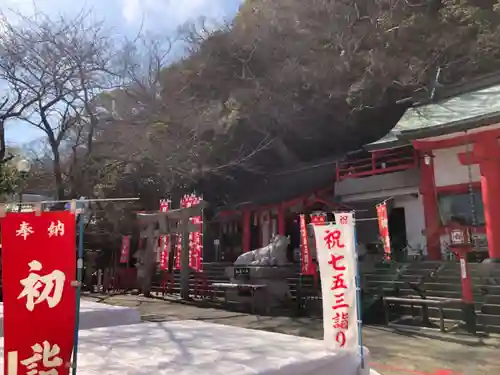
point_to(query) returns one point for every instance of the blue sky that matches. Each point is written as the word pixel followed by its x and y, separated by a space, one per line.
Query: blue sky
pixel 125 17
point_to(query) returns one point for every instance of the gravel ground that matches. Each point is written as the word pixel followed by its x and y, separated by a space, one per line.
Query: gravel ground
pixel 393 352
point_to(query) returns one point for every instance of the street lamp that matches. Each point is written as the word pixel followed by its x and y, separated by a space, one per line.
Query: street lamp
pixel 23 166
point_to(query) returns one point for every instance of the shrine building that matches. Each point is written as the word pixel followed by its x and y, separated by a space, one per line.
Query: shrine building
pixel 440 163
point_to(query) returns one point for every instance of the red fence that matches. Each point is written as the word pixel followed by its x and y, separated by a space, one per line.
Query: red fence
pixel 380 162
pixel 122 279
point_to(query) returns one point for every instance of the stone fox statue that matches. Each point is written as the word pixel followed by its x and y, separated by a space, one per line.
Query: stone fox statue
pixel 273 254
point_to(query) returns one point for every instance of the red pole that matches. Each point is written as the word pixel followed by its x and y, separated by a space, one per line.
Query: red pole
pixel 246 224
pixel 281 220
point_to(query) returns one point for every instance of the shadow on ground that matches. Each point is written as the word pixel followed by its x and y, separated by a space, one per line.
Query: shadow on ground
pixel 395 351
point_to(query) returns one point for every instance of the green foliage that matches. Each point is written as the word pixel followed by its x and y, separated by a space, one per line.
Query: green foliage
pixel 9 180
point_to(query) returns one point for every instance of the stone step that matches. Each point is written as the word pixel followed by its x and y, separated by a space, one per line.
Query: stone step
pixel 381 266
pixel 491 329
pixel 442 286
pixel 423 264
pixel 492 299
pixel 435 293
pixel 377 276
pixel 476 272
pixel 495 279
pixel 490 309
pixel 391 277
pixel 418 272
pixel 383 282
pixel 488 319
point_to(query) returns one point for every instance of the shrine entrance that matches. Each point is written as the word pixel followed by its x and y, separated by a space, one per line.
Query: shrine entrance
pixel 160 224
pixel 397 231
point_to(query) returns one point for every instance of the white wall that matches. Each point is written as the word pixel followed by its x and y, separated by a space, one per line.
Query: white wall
pixel 349 188
pixel 414 217
pixel 449 171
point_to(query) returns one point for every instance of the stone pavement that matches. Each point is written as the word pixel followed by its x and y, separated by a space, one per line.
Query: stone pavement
pixel 393 352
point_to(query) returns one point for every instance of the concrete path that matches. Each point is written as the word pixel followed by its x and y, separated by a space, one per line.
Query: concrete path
pixel 393 352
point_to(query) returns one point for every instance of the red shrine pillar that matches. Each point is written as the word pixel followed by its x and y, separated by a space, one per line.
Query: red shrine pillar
pixel 429 199
pixel 487 154
pixel 246 224
pixel 281 220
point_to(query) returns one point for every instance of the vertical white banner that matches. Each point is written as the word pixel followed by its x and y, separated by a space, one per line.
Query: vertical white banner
pixel 337 264
pixel 343 218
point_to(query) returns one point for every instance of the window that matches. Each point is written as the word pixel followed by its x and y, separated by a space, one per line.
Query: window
pixel 457 207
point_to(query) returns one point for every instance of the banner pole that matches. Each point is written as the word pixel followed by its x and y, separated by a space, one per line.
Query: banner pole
pixel 301 265
pixel 79 274
pixel 358 295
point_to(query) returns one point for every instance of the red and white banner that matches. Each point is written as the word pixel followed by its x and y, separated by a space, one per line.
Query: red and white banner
pixel 383 227
pixel 178 247
pixel 337 264
pixel 308 266
pixel 125 250
pixel 38 266
pixel 164 240
pixel 196 246
pixel 195 238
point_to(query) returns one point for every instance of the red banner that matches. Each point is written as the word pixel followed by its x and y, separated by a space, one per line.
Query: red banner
pixel 318 218
pixel 164 240
pixel 38 264
pixel 178 247
pixel 196 255
pixel 308 266
pixel 383 227
pixel 195 238
pixel 125 251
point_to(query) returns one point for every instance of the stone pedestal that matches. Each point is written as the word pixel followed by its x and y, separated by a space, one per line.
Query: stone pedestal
pixel 276 292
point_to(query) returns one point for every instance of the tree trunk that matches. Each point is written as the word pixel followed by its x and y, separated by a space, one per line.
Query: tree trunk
pixel 57 170
pixel 2 140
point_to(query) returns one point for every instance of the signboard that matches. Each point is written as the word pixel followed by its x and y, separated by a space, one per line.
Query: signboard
pixel 383 227
pixel 38 264
pixel 457 237
pixel 164 240
pixel 337 264
pixel 308 266
pixel 240 272
pixel 125 249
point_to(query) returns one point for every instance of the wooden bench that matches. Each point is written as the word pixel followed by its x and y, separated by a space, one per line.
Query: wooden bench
pixel 253 288
pixel 424 302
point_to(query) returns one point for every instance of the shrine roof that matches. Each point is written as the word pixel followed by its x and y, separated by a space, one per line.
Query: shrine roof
pixel 447 114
